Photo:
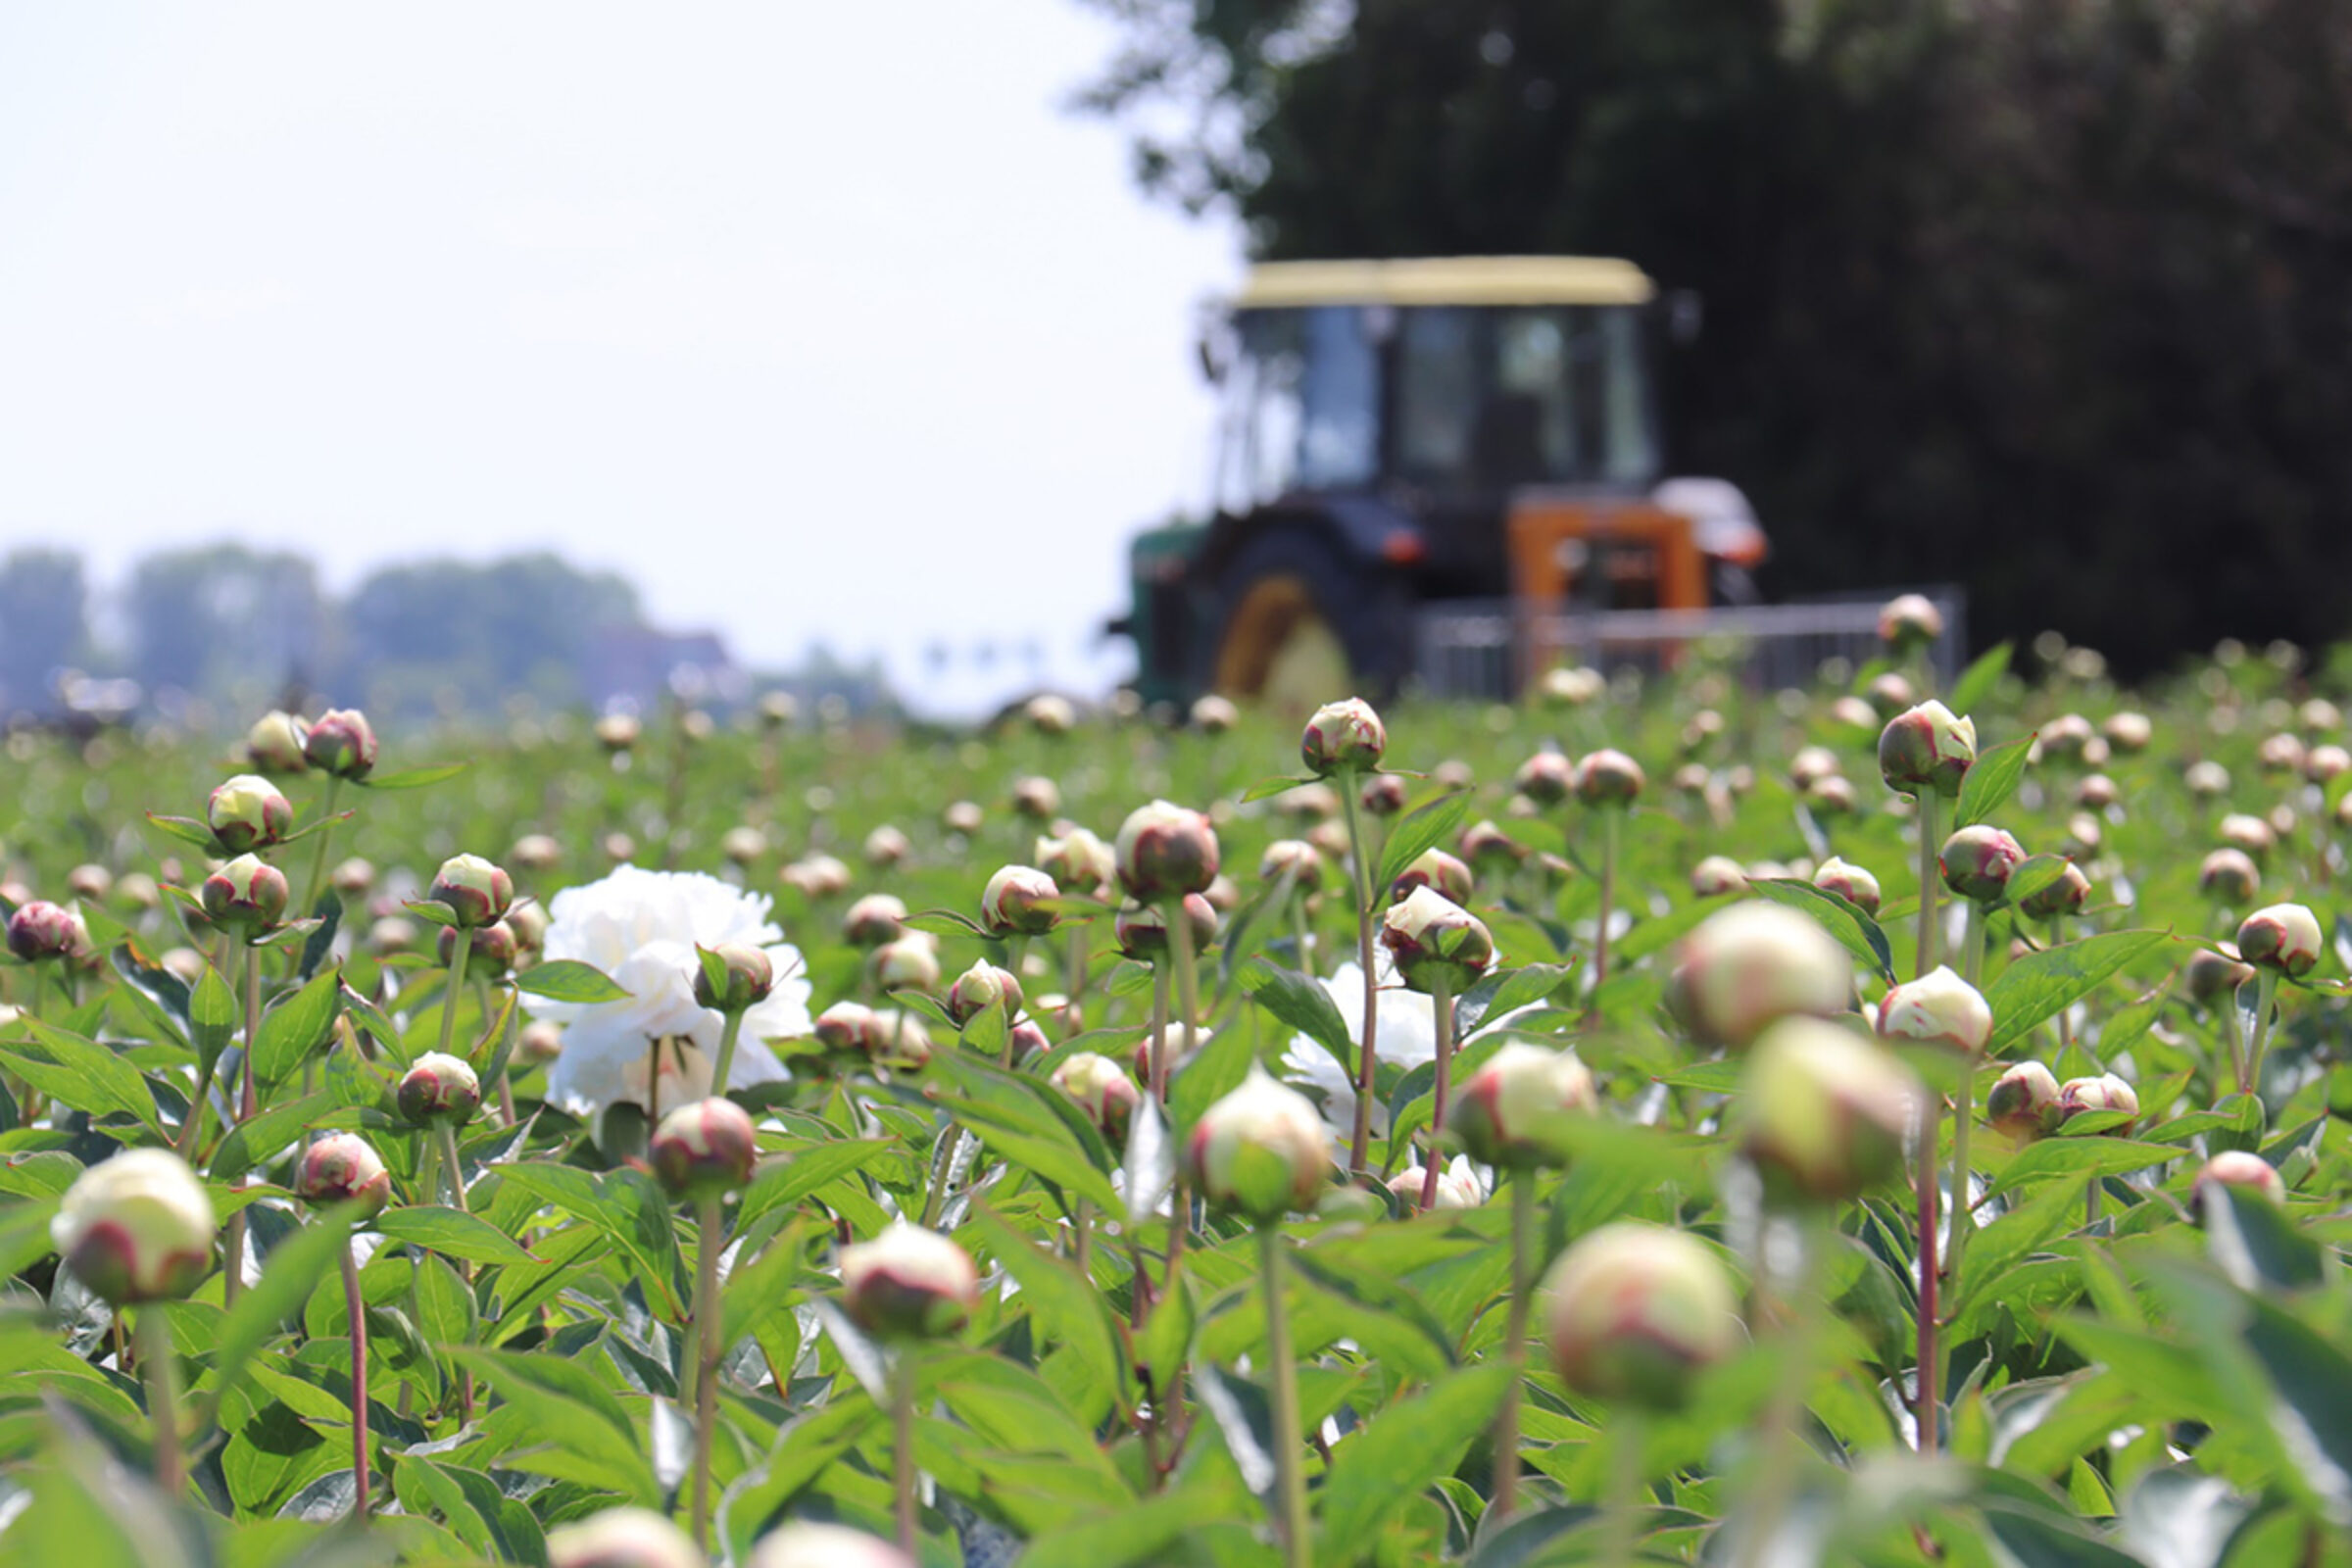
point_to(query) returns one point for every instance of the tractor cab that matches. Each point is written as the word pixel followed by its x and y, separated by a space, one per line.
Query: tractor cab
pixel 1396 433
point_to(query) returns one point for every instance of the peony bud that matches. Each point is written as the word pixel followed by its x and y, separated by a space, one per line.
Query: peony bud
pixel 1050 713
pixel 850 1027
pixel 1142 929
pixel 1939 1008
pixel 1077 861
pixel 475 891
pixel 1213 714
pixel 527 919
pixel 962 817
pixel 390 934
pixel 2023 1103
pixel 2063 738
pixel 1490 849
pixel 981 987
pixel 619 732
pixel 2128 732
pixel 908 1284
pixel 885 846
pixel 493 953
pixel 1166 851
pixel 276 743
pixel 1103 1090
pixel 1608 778
pixel 909 963
pixel 817 876
pixel 874 920
pixel 1636 1312
pixel 801 1545
pixel 2096 792
pixel 136 1227
pixel 439 1088
pixel 2106 1091
pixel 1750 964
pixel 536 851
pixel 750 975
pixel 248 812
pixel 1571 687
pixel 704 1149
pixel 1977 862
pixel 2236 1167
pixel 1849 882
pixel 1260 1150
pixel 246 896
pixel 1343 736
pixel 342 1168
pixel 540 1041
pixel 1435 869
pixel 2206 780
pixel 1038 798
pixel 1517 1110
pixel 2282 753
pixel 2284 937
pixel 1717 875
pixel 742 845
pixel 1295 858
pixel 342 743
pixel 1384 794
pixel 1824 1111
pixel 1908 621
pixel 2216 974
pixel 1019 901
pixel 1436 943
pixel 2325 763
pixel 41 930
pixel 2065 895
pixel 622 1537
pixel 1927 748
pixel 2229 877
pixel 1547 778
pixel 352 877
pixel 777 710
pixel 2243 831
pixel 1456 1188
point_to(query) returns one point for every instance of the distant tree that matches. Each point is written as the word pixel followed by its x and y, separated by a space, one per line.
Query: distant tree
pixel 44 625
pixel 433 635
pixel 226 623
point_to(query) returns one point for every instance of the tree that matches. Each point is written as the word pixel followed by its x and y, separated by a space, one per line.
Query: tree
pixel 226 623
pixel 44 625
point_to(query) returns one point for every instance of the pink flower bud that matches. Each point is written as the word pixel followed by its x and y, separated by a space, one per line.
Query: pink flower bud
pixel 2284 937
pixel 1213 714
pixel 536 851
pixel 1142 929
pixel 1077 861
pixel 42 930
pixel 742 845
pixel 1635 1312
pixel 2023 1103
pixel 1384 794
pixel 2239 1168
pixel 1296 858
pixel 1437 871
pixel 2063 738
pixel 1547 778
pixel 1939 1008
pixel 803 1545
pixel 622 1537
pixel 391 933
pixel 1889 693
pixel 1567 687
pixel 342 743
pixel 1036 798
pixel 751 974
pixel 1019 901
pixel 1811 765
pixel 493 952
pixel 1456 1188
pixel 1103 1090
pixel 619 732
pixel 248 812
pixel 1261 1152
pixel 2128 732
pixel 908 1284
pixel 2216 974
pixel 1166 851
pixel 136 1227
pixel 981 987
pixel 2106 1091
pixel 885 846
pixel 1747 965
pixel 1608 778
pixel 2282 752
pixel 1518 1109
pixel 1909 620
pixel 2065 895
pixel 1824 1111
pixel 962 817
pixel 874 920
pixel 2206 780
pixel 1849 882
pixel 540 1041
pixel 2325 763
pixel 2249 834
pixel 246 896
pixel 1050 713
pixel 1927 748
pixel 439 1088
pixel 909 963
pixel 704 1149
pixel 342 1168
pixel 1343 735
pixel 2096 792
pixel 275 742
pixel 1717 875
pixel 1435 942
pixel 1977 861
pixel 473 890
pixel 849 1028
pixel 1490 849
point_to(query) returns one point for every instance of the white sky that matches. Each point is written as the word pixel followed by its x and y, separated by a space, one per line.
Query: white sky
pixel 816 321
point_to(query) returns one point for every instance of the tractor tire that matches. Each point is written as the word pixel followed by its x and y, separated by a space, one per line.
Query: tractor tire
pixel 1301 625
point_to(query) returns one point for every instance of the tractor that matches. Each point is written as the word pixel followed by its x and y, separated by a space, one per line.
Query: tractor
pixel 1396 435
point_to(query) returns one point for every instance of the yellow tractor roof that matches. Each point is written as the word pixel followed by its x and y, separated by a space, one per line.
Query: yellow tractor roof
pixel 1447 281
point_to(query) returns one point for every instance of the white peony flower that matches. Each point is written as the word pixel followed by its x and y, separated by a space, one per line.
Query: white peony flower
pixel 641 928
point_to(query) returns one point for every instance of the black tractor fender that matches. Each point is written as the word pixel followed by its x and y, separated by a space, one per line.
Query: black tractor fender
pixel 1361 531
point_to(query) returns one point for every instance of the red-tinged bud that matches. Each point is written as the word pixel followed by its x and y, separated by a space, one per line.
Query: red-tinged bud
pixel 1547 778
pixel 136 1227
pixel 704 1149
pixel 527 919
pixel 90 883
pixel 1223 893
pixel 1343 736
pixel 1213 714
pixel 2325 763
pixel 1078 862
pixel 2213 975
pixel 2284 937
pixel 248 812
pixel 1050 714
pixel 885 846
pixel 1178 1055
pixel 908 1284
pixel 1608 778
pixel 1927 748
pixel 2128 732
pixel 909 963
pixel 1436 943
pixel 439 1088
pixel 1833 796
pixel 1854 713
pixel 622 1537
pixel 1103 1089
pixel 1889 693
pixel 2023 1103
pixel 1692 779
pixel 493 952
pixel 41 930
pixel 850 1027
pixel 1142 929
pixel 389 934
pixel 1456 1188
pixel 475 891
pixel 247 897
pixel 1166 851
pixel 778 710
pixel 342 743
pixel 1824 1112
pixel 353 877
pixel 1018 901
pixel 1716 876
pixel 981 987
pixel 342 1168
pixel 2239 1168
pixel 536 853
pixel 2249 835
pixel 1384 794
pixel 817 876
pixel 1977 862
pixel 815 1545
pixel 1745 965
pixel 1488 849
pixel 1909 622
pixel 962 817
pixel 2207 779
pixel 1939 1008
pixel 1810 766
pixel 2065 895
pixel 2063 738
pixel 2096 792
pixel 750 975
pixel 1849 882
pixel 276 744
pixel 1566 687
pixel 541 1042
pixel 1636 1312
pixel 1027 1037
pixel 1435 869
pixel 874 920
pixel 2282 752
pixel 1310 803
pixel 742 845
pixel 1295 858
pixel 2107 1092
pixel 1261 1152
pixel 618 733
pixel 1520 1109
pixel 1037 797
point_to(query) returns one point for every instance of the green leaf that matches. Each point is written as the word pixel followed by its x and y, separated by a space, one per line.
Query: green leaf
pixel 295 1267
pixel 188 830
pixel 1402 1452
pixel 782 1183
pixel 212 1016
pixel 261 1137
pixel 805 1448
pixel 1502 991
pixel 1302 1004
pixel 328 911
pixel 297 1026
pixel 2033 874
pixel 1990 780
pixel 81 1073
pixel 413 778
pixel 2256 1243
pixel 2033 989
pixel 1977 680
pixel 451 1232
pixel 2078 1158
pixel 1064 1306
pixel 569 980
pixel 1280 784
pixel 1013 1114
pixel 1856 931
pixel 1420 829
pixel 432 911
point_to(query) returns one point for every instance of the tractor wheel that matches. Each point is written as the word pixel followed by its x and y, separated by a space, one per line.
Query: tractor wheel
pixel 1302 626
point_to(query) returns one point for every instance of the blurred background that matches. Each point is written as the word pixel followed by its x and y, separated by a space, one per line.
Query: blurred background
pixel 421 358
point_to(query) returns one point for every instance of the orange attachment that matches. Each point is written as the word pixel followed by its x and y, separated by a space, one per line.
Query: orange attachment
pixel 1651 559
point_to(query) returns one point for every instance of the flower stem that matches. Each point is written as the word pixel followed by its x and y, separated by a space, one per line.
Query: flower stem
pixel 1929 879
pixel 705 1358
pixel 2265 992
pixel 445 1133
pixel 1514 1342
pixel 1964 1117
pixel 1929 1354
pixel 1187 980
pixel 1622 1510
pixel 326 831
pixel 233 1280
pixel 1367 1058
pixel 1289 1443
pixel 727 1053
pixel 355 1307
pixel 456 987
pixel 1159 1034
pixel 1972 942
pixel 1440 997
pixel 161 1367
pixel 1610 817
pixel 901 1410
pixel 1781 1436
